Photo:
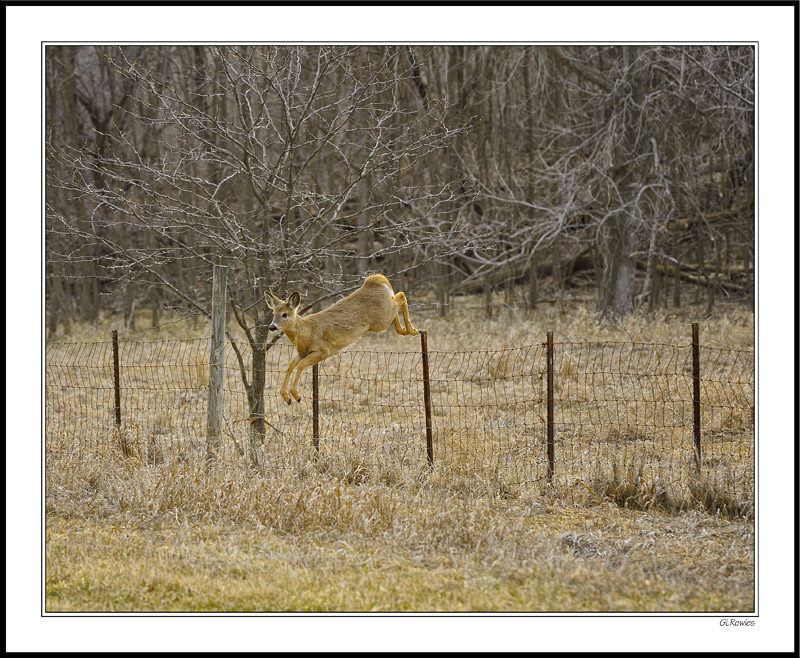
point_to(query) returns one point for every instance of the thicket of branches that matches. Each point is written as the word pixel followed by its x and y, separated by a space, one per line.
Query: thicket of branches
pixel 460 168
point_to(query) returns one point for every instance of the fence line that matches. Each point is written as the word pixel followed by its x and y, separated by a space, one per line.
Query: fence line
pixel 567 414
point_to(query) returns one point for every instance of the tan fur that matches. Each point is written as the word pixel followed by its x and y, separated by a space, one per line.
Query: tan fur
pixel 373 307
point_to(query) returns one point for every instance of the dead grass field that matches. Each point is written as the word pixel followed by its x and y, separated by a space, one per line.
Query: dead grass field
pixel 368 526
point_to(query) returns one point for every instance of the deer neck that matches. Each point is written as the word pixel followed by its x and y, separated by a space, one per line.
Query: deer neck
pixel 296 331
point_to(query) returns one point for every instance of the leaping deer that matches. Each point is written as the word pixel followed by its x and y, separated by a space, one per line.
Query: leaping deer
pixel 373 307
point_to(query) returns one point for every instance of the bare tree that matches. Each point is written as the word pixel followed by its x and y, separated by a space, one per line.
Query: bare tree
pixel 287 163
pixel 470 168
pixel 627 152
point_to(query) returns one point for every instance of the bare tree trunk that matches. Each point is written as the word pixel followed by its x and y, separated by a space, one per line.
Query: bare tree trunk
pixel 654 300
pixel 130 325
pixel 255 399
pixel 155 307
pixel 442 286
pixel 558 279
pixel 88 292
pixel 623 288
pixel 533 284
pixel 488 284
pixel 676 287
pixel 366 239
pixel 700 255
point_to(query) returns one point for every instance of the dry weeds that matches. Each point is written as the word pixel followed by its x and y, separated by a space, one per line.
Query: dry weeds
pixel 369 527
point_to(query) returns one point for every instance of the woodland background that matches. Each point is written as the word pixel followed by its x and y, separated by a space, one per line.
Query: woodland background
pixel 622 172
pixel 527 170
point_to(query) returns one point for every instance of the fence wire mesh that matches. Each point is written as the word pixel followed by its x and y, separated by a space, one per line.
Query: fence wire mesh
pixel 623 412
pixel 625 417
pixel 163 394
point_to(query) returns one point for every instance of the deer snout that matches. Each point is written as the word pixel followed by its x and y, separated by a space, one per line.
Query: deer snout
pixel 272 327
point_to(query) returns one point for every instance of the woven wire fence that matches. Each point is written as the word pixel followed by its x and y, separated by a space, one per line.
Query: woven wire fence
pixel 162 389
pixel 625 415
pixel 621 412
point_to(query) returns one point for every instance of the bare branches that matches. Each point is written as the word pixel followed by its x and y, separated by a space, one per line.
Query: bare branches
pixel 585 72
pixel 307 166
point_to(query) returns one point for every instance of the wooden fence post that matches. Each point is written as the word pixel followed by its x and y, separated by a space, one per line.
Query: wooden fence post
pixel 216 375
pixel 117 403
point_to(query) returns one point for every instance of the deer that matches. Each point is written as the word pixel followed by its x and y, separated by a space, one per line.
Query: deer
pixel 373 307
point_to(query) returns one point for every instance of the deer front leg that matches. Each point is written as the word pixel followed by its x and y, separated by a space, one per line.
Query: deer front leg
pixel 305 362
pixel 288 374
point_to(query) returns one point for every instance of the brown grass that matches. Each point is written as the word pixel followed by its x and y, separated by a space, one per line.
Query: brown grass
pixel 135 523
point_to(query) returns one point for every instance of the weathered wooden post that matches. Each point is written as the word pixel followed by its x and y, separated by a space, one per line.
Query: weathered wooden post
pixel 216 376
pixel 117 403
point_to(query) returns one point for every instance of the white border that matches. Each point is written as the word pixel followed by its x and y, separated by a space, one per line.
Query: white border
pixel 28 26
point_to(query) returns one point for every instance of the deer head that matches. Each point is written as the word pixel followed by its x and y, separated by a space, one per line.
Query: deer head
pixel 284 313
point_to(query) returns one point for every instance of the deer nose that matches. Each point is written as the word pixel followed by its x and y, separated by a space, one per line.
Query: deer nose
pixel 272 327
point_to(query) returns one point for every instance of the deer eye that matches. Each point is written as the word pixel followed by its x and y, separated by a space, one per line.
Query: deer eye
pixel 285 315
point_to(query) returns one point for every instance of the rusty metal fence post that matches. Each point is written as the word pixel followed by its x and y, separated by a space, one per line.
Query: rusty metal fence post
pixel 315 408
pixel 550 428
pixel 426 387
pixel 117 404
pixel 696 391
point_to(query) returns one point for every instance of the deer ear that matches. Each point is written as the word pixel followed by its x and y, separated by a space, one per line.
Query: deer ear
pixel 294 300
pixel 267 295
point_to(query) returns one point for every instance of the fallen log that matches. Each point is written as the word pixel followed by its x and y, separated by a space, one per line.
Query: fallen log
pixel 690 273
pixel 518 273
pixel 685 223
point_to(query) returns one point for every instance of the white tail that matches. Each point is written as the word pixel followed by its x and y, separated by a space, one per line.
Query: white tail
pixel 373 307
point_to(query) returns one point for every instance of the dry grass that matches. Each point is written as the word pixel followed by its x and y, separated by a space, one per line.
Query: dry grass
pixel 181 535
pixel 133 526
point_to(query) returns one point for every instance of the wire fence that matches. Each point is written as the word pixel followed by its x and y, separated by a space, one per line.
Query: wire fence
pixel 584 417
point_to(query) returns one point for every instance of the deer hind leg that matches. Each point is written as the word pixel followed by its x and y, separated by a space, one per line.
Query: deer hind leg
pixel 402 303
pixel 305 362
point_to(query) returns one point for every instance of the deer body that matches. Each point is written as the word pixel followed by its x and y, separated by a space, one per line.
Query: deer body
pixel 373 307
